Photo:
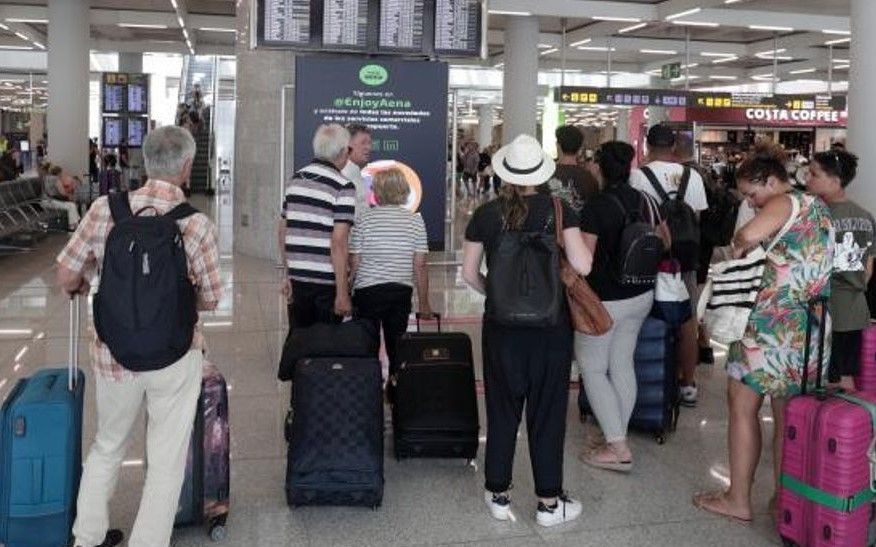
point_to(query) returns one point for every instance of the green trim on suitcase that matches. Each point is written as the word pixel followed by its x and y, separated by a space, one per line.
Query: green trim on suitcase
pixel 815 495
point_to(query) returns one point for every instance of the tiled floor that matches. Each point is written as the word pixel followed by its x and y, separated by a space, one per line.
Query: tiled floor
pixel 426 502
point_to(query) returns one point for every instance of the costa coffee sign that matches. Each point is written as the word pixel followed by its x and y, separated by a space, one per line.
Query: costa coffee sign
pixel 783 115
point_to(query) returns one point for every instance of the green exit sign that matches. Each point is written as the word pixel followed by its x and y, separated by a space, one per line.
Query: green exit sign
pixel 670 71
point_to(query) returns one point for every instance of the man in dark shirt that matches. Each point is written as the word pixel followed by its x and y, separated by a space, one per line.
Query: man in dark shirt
pixel 572 182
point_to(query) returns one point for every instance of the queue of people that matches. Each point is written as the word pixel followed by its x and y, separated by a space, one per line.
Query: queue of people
pixel 345 257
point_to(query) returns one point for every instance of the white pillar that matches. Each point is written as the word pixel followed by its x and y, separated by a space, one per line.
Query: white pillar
pixel 68 63
pixel 485 125
pixel 862 115
pixel 622 131
pixel 520 86
pixel 130 62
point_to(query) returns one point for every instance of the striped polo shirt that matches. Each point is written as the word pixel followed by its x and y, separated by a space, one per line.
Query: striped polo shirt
pixel 317 198
pixel 386 239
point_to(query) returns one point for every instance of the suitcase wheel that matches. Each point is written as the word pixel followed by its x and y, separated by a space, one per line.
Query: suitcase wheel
pixel 217 530
pixel 789 543
pixel 660 438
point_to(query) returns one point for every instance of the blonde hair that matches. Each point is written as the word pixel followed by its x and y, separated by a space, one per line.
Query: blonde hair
pixel 391 187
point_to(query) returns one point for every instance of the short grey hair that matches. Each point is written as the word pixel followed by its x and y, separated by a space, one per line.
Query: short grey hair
pixel 166 151
pixel 330 141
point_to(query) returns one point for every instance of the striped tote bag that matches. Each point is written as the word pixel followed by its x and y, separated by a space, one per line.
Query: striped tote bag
pixel 732 286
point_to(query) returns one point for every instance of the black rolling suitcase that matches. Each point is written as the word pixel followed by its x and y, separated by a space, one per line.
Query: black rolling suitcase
pixel 435 411
pixel 335 433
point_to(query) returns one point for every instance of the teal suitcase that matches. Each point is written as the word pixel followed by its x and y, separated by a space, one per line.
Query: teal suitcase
pixel 41 453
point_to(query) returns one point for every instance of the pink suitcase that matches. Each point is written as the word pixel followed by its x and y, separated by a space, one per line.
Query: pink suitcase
pixel 866 378
pixel 826 498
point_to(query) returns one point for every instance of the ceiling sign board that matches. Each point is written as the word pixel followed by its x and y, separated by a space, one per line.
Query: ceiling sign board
pixel 699 99
pixel 416 28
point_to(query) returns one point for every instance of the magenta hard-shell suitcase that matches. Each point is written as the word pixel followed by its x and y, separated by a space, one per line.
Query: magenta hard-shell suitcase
pixel 866 378
pixel 826 497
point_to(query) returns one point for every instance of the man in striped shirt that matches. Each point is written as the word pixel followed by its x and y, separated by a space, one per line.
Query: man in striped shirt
pixel 319 209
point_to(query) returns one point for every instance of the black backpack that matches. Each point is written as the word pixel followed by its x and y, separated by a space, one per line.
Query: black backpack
pixel 145 307
pixel 523 282
pixel 684 226
pixel 640 249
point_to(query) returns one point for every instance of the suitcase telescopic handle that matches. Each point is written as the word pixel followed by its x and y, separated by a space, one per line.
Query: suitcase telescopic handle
pixel 421 317
pixel 73 360
pixel 807 349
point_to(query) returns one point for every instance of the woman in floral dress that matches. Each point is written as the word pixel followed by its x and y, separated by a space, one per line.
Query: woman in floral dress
pixel 768 361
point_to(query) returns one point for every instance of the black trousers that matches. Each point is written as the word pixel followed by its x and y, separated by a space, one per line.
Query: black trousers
pixel 845 354
pixel 390 305
pixel 530 366
pixel 312 303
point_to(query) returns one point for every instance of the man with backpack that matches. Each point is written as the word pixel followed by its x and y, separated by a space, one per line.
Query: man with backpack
pixel 682 196
pixel 156 260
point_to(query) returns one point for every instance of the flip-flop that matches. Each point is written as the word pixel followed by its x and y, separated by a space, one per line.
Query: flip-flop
pixel 621 466
pixel 701 501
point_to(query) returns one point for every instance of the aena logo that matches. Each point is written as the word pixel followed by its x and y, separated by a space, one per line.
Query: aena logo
pixel 373 75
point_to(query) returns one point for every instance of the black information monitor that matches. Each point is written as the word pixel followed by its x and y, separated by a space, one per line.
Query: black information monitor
pixel 423 28
pixel 137 129
pixel 113 131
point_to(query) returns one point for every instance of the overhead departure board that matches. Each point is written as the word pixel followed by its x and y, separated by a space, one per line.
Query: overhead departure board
pixel 285 21
pixel 401 25
pixel 113 92
pixel 424 28
pixel 458 27
pixel 345 24
pixel 138 94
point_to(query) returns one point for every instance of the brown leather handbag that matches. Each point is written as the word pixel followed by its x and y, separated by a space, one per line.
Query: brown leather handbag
pixel 588 314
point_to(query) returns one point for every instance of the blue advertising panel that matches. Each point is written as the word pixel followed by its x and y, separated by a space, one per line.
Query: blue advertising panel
pixel 404 103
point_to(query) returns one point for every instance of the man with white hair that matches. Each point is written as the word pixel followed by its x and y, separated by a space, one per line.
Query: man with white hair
pixel 168 378
pixel 318 211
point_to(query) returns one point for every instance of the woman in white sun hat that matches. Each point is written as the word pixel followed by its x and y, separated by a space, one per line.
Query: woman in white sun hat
pixel 525 362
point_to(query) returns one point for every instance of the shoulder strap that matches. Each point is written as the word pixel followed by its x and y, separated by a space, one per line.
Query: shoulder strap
pixel 558 221
pixel 652 178
pixel 685 180
pixel 620 205
pixel 120 206
pixel 795 210
pixel 181 211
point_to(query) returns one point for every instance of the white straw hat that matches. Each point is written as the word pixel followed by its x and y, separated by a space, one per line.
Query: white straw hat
pixel 522 162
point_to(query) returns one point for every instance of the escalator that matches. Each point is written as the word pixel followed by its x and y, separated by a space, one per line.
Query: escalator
pixel 201 72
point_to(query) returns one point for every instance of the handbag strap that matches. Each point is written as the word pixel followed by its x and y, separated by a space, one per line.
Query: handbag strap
pixel 558 222
pixel 795 210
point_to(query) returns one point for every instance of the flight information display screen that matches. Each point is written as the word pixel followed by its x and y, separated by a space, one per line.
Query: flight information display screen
pixel 113 132
pixel 137 129
pixel 448 28
pixel 125 93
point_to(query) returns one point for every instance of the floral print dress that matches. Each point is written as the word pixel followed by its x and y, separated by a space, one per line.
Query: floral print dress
pixel 769 359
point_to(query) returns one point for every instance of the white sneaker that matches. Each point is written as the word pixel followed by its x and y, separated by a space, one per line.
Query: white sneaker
pixel 688 395
pixel 565 510
pixel 499 505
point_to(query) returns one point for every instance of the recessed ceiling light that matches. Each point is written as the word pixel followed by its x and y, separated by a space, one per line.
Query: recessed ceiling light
pixel 27 20
pixel 16 47
pixel 508 12
pixel 722 77
pixel 725 60
pixel 771 27
pixel 696 24
pixel 142 25
pixel 632 28
pixel 838 41
pixel 659 51
pixel 22 36
pixel 825 31
pixel 581 42
pixel 683 14
pixel 616 19
pixel 595 48
pixel 714 54
pixel 549 51
pixel 803 71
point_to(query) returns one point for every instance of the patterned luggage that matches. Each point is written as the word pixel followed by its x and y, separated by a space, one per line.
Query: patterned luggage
pixel 866 378
pixel 657 405
pixel 205 494
pixel 335 433
pixel 41 452
pixel 826 498
pixel 435 410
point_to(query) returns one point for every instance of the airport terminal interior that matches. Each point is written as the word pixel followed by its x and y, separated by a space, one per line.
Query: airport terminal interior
pixel 84 82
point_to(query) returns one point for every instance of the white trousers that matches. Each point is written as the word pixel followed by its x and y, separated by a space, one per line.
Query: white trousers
pixel 171 396
pixel 69 207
